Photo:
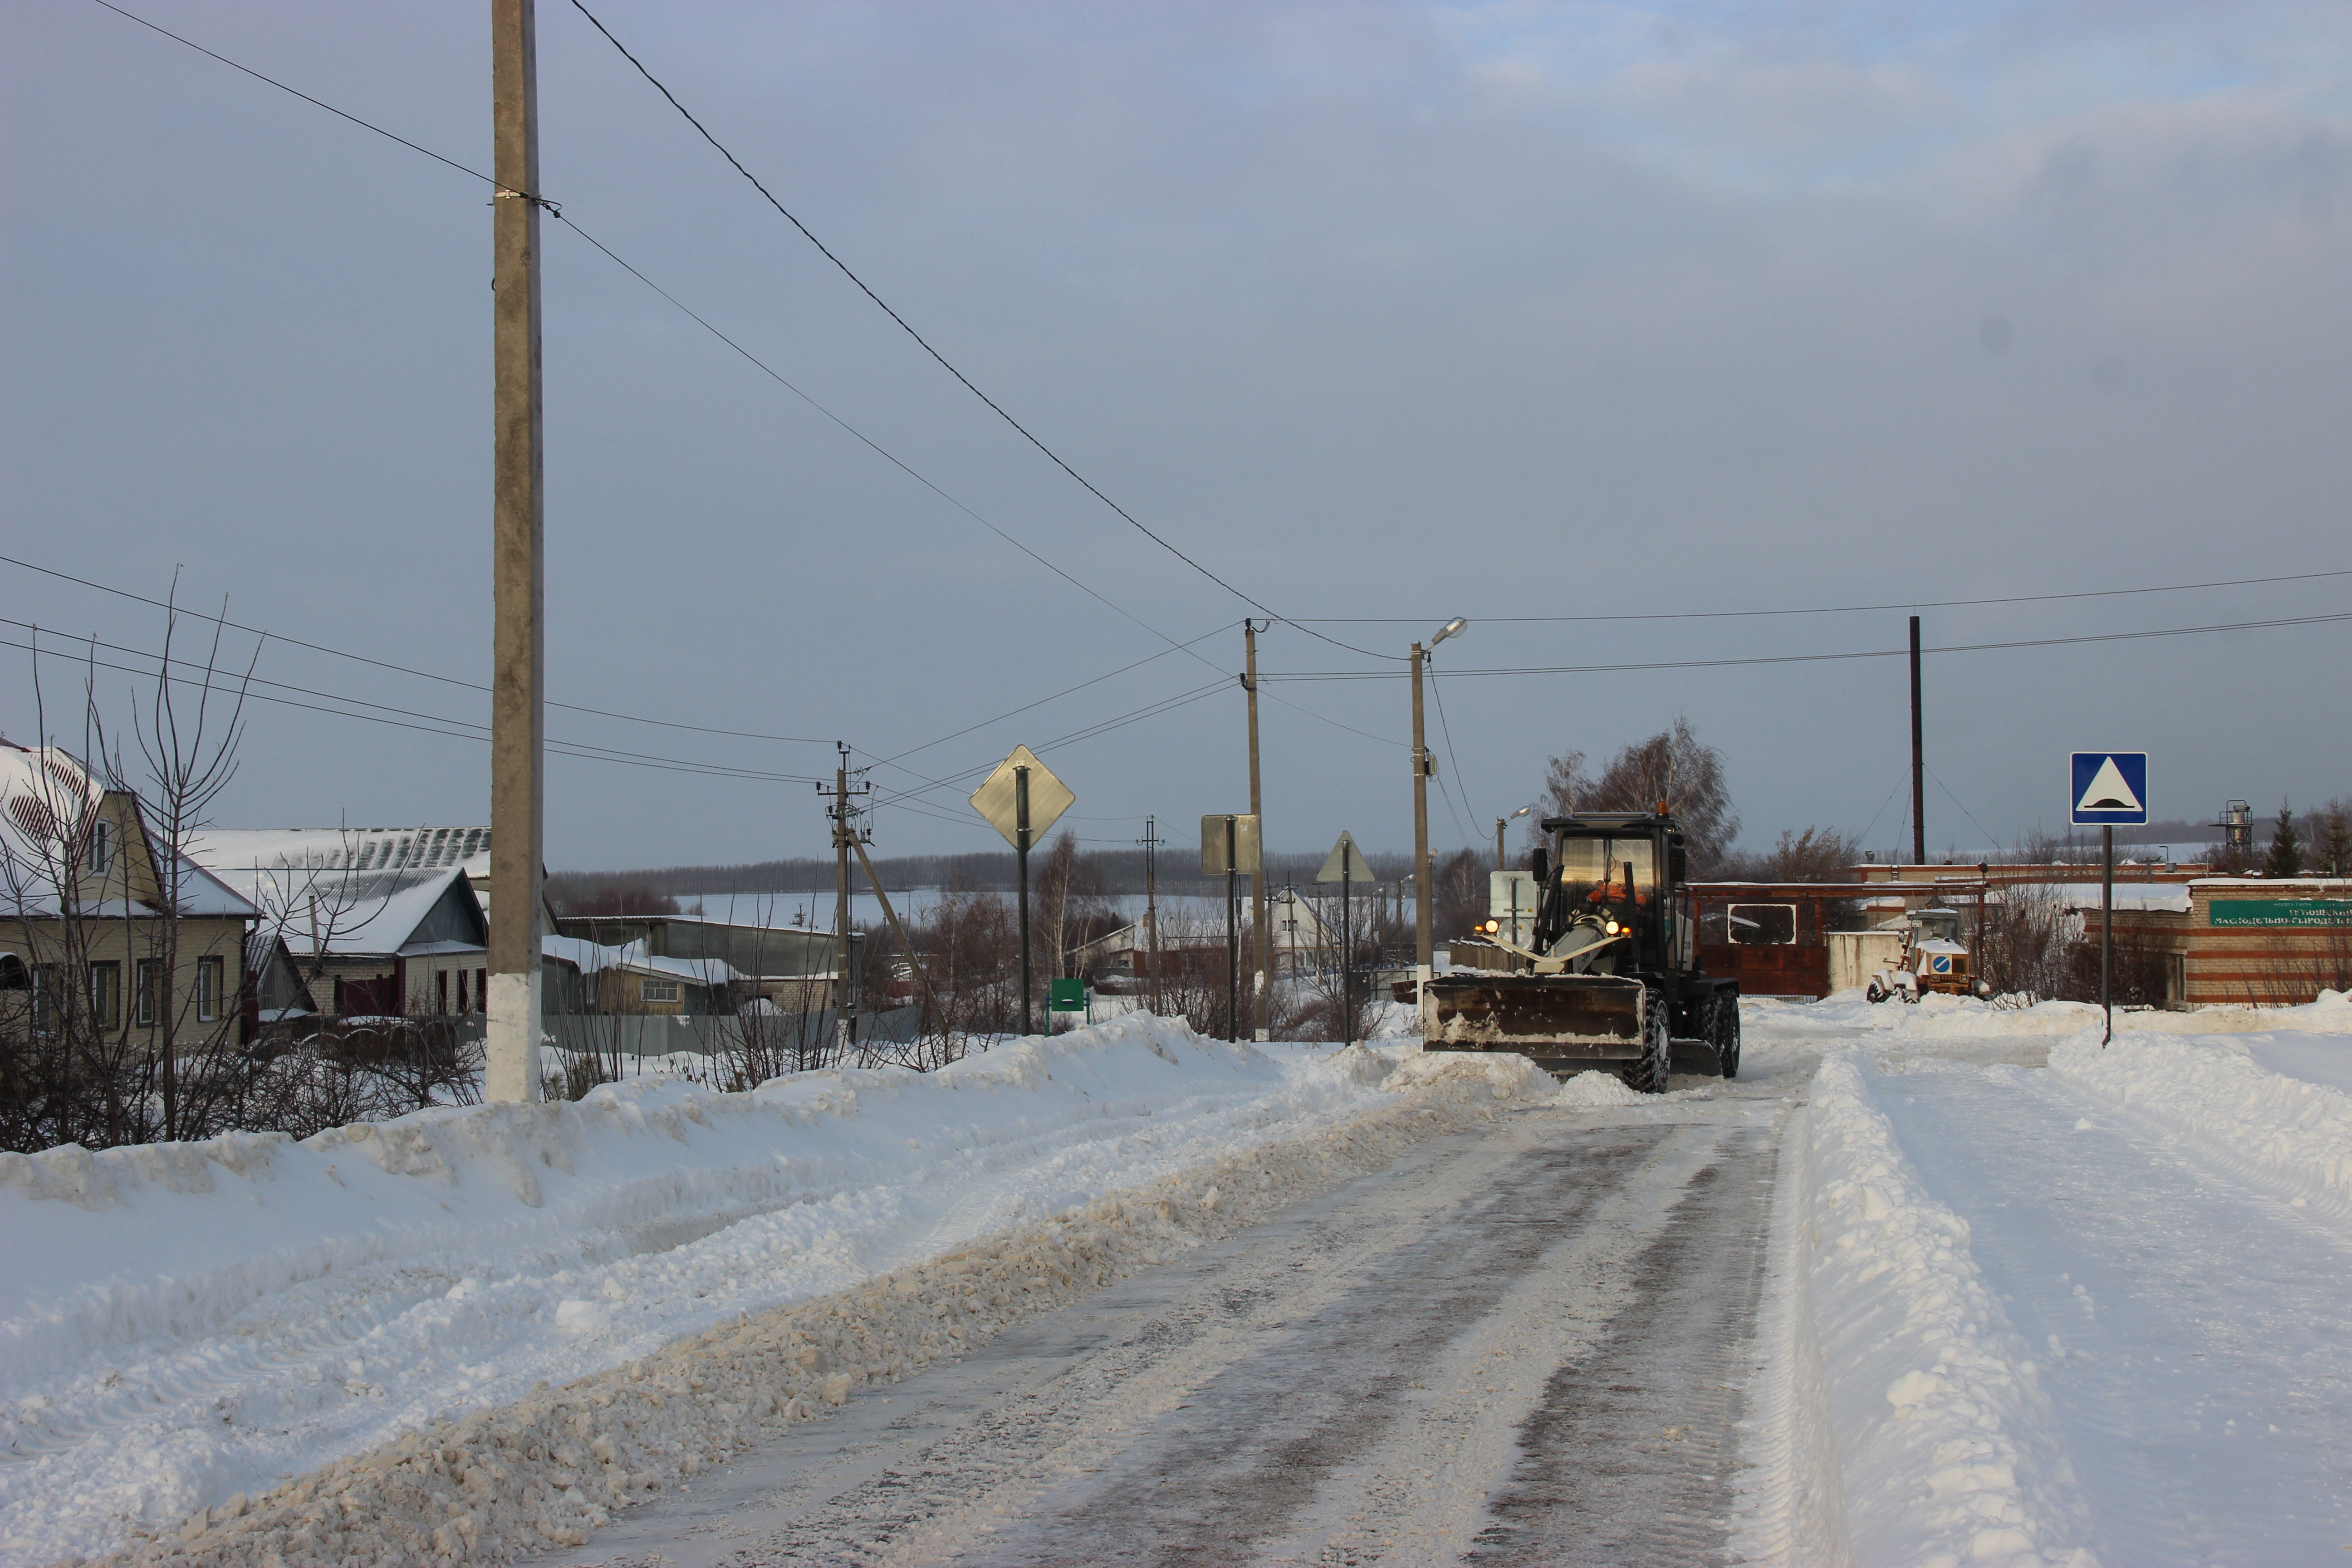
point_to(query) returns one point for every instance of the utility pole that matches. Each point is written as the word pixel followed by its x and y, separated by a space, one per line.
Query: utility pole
pixel 845 836
pixel 1151 842
pixel 1422 951
pixel 518 564
pixel 1918 760
pixel 1264 981
pixel 1423 764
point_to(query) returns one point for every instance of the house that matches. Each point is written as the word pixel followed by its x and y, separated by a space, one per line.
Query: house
pixel 108 930
pixel 408 942
pixel 359 849
pixel 791 966
pixel 626 979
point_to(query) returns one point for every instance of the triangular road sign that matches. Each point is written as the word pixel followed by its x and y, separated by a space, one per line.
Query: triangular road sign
pixel 999 799
pixel 2108 792
pixel 1345 863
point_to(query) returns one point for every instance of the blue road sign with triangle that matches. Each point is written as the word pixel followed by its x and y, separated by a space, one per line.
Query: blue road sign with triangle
pixel 2110 788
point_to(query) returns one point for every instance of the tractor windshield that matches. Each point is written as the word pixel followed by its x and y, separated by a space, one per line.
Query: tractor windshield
pixel 1592 870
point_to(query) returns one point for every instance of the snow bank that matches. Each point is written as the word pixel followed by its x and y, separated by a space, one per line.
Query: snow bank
pixel 183 1324
pixel 1903 1372
pixel 2219 1093
pixel 550 1467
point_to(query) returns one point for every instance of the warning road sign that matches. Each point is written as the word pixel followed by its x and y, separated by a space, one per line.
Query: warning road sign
pixel 2110 787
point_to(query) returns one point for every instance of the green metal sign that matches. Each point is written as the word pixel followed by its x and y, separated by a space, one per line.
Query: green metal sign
pixel 2280 912
pixel 1070 996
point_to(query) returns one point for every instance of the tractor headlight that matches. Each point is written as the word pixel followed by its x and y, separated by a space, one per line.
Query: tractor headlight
pixel 1611 928
pixel 1494 926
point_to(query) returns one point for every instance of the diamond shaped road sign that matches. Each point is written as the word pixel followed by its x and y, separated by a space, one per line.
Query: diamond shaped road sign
pixel 999 799
pixel 1345 863
pixel 2110 787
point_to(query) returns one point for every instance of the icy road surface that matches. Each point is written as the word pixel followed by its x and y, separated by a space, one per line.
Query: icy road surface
pixel 1519 1344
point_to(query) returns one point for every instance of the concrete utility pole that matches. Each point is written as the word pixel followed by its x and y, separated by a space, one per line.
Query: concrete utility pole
pixel 1264 981
pixel 1918 760
pixel 517 566
pixel 1422 949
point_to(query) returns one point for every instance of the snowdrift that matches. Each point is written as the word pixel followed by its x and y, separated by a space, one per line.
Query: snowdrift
pixel 183 1327
pixel 2246 1099
pixel 1904 1421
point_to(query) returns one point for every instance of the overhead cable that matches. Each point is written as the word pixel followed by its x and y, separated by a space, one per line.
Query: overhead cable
pixel 942 361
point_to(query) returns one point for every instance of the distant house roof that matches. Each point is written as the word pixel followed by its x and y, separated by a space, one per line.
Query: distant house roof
pixel 346 848
pixel 630 957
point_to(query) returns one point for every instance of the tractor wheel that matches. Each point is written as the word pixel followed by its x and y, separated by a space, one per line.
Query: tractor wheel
pixel 1876 992
pixel 1726 1038
pixel 1649 1074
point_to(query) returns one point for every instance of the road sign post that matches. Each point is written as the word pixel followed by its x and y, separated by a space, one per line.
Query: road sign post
pixel 2108 788
pixel 1021 800
pixel 1346 865
pixel 1229 846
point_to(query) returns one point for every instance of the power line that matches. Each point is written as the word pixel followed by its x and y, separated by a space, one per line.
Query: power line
pixel 1437 695
pixel 1850 609
pixel 425 723
pixel 556 212
pixel 1824 658
pixel 924 342
pixel 382 663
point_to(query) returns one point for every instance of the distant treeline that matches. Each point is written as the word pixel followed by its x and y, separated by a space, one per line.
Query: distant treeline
pixel 1112 871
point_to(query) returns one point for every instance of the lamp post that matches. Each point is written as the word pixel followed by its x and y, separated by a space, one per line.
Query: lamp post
pixel 1500 824
pixel 1423 764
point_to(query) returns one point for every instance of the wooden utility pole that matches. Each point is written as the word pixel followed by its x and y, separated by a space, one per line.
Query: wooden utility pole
pixel 1151 901
pixel 1264 980
pixel 1918 760
pixel 517 566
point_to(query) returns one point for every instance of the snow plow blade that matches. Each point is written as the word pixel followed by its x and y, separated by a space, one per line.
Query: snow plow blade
pixel 1566 1023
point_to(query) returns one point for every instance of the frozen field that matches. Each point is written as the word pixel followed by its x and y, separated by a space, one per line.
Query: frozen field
pixel 1943 1283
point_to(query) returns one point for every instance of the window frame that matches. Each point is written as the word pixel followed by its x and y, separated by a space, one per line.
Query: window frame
pixel 104 988
pixel 147 992
pixel 647 985
pixel 211 973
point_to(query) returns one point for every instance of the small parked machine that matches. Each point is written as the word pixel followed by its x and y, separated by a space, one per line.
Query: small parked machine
pixel 1610 977
pixel 1933 959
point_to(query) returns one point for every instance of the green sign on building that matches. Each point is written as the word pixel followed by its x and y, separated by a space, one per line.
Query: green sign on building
pixel 1070 996
pixel 2280 912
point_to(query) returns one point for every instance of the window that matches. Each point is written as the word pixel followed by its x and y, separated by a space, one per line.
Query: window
pixel 482 989
pixel 149 1007
pixel 440 990
pixel 45 993
pixel 101 847
pixel 210 971
pixel 659 990
pixel 463 1006
pixel 106 995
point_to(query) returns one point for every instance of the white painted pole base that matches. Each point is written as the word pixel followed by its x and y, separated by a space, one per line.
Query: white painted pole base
pixel 512 1043
pixel 1428 1011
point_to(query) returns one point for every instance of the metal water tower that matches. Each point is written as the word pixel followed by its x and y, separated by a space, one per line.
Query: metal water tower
pixel 2237 825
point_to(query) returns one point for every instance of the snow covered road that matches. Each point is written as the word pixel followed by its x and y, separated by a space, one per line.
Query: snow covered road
pixel 1518 1344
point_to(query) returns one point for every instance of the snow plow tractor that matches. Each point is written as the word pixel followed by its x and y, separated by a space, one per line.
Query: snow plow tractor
pixel 1610 977
pixel 1933 959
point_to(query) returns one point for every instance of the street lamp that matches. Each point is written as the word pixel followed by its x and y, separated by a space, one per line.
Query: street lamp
pixel 1500 824
pixel 1423 764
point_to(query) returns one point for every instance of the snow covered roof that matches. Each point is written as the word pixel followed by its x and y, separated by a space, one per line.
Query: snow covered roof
pixel 48 798
pixel 346 848
pixel 346 914
pixel 593 957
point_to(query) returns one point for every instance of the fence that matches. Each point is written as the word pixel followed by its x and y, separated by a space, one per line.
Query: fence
pixel 706 1033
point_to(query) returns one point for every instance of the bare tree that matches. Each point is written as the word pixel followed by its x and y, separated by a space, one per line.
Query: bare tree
pixel 1673 767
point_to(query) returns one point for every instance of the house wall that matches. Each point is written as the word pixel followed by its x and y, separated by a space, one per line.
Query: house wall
pixel 2215 961
pixel 50 946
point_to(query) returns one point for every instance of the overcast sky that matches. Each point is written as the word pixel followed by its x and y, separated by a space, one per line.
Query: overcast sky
pixel 1386 313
